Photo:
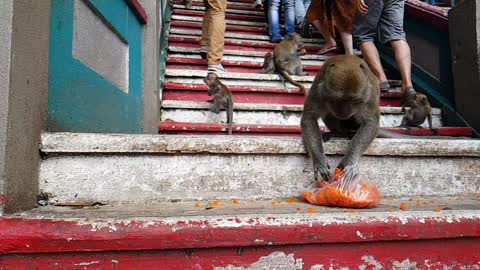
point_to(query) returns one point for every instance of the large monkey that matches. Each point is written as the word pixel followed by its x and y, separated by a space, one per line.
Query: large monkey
pixel 222 97
pixel 345 94
pixel 287 61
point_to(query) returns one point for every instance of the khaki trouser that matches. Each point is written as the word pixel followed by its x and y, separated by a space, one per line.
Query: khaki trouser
pixel 213 29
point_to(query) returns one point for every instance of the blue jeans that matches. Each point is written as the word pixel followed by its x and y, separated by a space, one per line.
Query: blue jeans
pixel 301 7
pixel 274 18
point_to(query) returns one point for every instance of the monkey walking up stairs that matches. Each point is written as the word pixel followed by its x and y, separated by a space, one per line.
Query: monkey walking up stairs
pixel 193 197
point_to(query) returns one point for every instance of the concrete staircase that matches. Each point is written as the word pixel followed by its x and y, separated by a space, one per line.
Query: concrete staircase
pixel 149 192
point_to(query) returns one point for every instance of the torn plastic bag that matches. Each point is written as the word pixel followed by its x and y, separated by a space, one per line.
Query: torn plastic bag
pixel 348 189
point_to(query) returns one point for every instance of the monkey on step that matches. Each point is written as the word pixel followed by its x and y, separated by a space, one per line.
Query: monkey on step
pixel 345 95
pixel 419 110
pixel 222 97
pixel 286 60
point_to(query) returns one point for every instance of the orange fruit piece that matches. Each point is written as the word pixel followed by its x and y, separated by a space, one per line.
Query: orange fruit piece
pixel 352 211
pixel 436 209
pixel 425 203
pixel 432 201
pixel 274 202
pixel 216 203
pixel 290 200
pixel 311 210
pixel 403 206
pixel 411 199
pixel 236 201
pixel 391 210
pixel 279 202
pixel 197 204
pixel 419 203
pixel 477 196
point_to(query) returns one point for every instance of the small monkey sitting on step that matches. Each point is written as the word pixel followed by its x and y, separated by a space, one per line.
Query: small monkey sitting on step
pixel 419 110
pixel 222 97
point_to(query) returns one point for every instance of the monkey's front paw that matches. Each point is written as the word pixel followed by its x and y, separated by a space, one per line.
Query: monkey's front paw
pixel 323 172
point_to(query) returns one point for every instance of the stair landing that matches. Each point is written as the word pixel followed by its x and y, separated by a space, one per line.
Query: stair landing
pixel 247 235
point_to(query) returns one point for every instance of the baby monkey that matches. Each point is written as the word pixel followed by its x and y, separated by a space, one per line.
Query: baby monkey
pixel 419 110
pixel 222 97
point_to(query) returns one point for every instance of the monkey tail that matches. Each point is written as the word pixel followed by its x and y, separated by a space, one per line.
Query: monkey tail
pixel 290 80
pixel 230 116
pixel 382 133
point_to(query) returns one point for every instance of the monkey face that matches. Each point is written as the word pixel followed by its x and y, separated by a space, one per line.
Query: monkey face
pixel 343 109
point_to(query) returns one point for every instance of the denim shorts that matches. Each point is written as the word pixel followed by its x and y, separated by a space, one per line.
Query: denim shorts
pixel 384 17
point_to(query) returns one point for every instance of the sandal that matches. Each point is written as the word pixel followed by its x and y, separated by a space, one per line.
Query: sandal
pixel 326 50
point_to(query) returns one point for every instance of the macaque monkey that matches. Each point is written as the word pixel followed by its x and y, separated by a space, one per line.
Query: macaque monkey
pixel 287 61
pixel 222 97
pixel 419 110
pixel 268 66
pixel 345 94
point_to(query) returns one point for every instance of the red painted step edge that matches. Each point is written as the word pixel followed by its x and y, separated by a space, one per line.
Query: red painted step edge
pixel 425 254
pixel 19 235
pixel 198 25
pixel 202 87
pixel 200 13
pixel 214 127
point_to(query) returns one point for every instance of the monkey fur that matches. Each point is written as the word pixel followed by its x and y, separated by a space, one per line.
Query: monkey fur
pixel 287 61
pixel 419 110
pixel 268 66
pixel 222 97
pixel 345 95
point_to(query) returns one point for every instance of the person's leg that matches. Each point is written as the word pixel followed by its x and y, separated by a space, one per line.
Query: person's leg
pixel 347 40
pixel 364 30
pixel 391 33
pixel 402 57
pixel 205 24
pixel 289 16
pixel 273 19
pixel 217 31
pixel 371 56
pixel 327 36
pixel 299 11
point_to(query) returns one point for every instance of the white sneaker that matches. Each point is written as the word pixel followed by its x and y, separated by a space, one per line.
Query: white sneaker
pixel 257 4
pixel 216 68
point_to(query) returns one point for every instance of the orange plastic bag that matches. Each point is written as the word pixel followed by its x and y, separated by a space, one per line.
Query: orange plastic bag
pixel 347 189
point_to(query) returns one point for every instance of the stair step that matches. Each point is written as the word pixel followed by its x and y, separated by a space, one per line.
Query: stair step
pixel 235 236
pixel 198 33
pixel 228 22
pixel 147 168
pixel 253 94
pixel 228 15
pixel 188 63
pixel 170 127
pixel 244 44
pixel 230 6
pixel 249 13
pixel 230 28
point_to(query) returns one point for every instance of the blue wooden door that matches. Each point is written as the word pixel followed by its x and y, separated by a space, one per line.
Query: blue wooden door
pixel 95 69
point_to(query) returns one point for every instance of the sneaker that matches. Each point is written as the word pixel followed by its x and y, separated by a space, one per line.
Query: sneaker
pixel 257 4
pixel 216 68
pixel 384 86
pixel 203 52
pixel 305 30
